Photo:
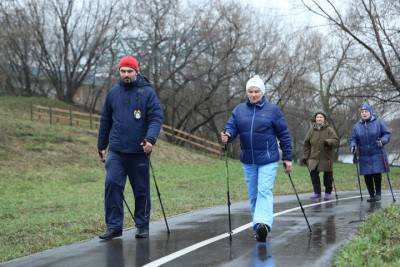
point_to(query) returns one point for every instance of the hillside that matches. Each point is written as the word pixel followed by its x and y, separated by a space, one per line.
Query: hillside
pixel 52 183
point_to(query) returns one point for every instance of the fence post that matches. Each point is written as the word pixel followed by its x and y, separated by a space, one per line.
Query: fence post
pixel 70 116
pixel 50 115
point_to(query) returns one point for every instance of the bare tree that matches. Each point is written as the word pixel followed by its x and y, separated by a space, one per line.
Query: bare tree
pixel 18 65
pixel 374 26
pixel 222 29
pixel 332 68
pixel 192 57
pixel 165 44
pixel 72 37
pixel 99 81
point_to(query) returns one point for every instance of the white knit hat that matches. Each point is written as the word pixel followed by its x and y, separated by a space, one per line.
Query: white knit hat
pixel 256 81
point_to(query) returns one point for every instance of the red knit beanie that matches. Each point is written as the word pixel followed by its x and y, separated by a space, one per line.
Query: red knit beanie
pixel 130 62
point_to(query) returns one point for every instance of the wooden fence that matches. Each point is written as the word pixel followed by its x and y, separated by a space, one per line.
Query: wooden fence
pixel 198 142
pixel 64 116
pixel 90 120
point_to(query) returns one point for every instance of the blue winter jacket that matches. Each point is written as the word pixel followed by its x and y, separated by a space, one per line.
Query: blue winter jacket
pixel 364 136
pixel 131 113
pixel 259 126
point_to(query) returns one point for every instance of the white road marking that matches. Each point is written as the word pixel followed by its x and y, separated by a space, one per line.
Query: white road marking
pixel 206 242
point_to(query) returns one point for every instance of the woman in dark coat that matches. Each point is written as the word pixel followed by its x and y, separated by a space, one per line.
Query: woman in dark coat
pixel 368 138
pixel 319 151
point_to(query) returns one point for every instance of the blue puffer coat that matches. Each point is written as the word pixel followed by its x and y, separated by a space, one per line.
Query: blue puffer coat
pixel 131 113
pixel 259 125
pixel 372 159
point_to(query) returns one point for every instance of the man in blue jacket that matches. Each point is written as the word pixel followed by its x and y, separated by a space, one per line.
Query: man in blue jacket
pixel 259 124
pixel 130 123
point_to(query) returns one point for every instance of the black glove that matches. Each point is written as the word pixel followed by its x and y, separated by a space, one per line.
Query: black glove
pixel 353 149
pixel 304 161
pixel 355 159
pixel 327 145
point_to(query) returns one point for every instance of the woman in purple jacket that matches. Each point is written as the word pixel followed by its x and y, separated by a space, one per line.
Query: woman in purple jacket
pixel 368 138
pixel 259 124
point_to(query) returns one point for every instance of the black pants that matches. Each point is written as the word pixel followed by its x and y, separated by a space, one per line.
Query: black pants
pixel 328 177
pixel 373 182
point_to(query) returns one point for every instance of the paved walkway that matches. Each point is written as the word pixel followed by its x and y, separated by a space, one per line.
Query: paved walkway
pixel 200 238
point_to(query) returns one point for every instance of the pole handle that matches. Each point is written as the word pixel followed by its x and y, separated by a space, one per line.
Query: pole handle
pixel 226 144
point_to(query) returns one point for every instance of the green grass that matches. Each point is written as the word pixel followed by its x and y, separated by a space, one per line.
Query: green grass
pixel 377 243
pixel 52 184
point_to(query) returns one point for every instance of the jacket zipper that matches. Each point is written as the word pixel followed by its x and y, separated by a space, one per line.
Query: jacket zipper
pixel 368 145
pixel 251 133
pixel 366 130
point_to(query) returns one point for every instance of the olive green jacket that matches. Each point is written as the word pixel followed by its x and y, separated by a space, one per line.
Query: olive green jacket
pixel 319 147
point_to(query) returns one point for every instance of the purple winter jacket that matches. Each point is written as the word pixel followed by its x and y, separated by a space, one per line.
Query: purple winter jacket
pixel 364 136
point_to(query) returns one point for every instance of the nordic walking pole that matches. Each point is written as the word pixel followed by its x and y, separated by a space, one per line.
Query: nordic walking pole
pixel 158 193
pixel 355 161
pixel 227 191
pixel 390 186
pixel 126 204
pixel 387 174
pixel 298 199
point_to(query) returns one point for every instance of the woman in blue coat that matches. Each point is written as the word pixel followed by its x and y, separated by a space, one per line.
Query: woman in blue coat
pixel 368 138
pixel 259 124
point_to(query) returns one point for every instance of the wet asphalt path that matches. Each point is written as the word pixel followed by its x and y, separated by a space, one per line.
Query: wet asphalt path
pixel 200 238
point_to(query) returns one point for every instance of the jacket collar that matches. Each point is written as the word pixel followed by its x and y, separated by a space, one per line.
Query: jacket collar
pixel 259 104
pixel 320 126
pixel 139 82
pixel 372 118
pixel 127 86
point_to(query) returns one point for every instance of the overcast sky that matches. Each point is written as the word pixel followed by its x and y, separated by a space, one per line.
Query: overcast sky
pixel 293 12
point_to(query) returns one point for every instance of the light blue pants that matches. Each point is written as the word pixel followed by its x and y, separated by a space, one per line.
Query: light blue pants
pixel 260 182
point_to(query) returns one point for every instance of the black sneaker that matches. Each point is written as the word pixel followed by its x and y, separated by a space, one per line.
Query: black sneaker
pixel 372 199
pixel 261 232
pixel 110 234
pixel 142 233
